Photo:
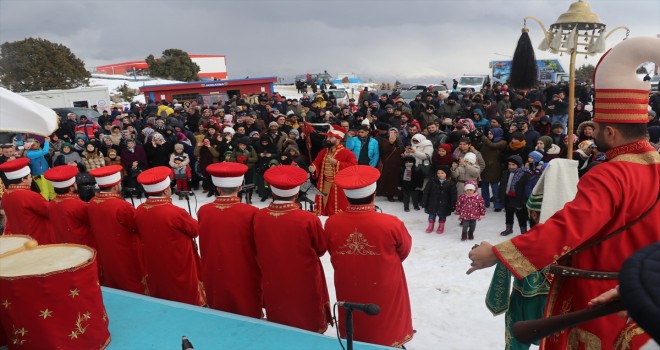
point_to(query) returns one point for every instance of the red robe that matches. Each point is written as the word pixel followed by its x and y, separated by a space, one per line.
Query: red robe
pixel 231 275
pixel 69 217
pixel 289 243
pixel 609 196
pixel 169 251
pixel 367 250
pixel 27 214
pixel 337 201
pixel 112 220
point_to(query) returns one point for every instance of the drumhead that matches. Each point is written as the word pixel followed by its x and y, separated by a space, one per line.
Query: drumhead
pixel 45 259
pixel 12 242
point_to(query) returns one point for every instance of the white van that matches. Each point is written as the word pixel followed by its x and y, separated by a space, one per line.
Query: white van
pixel 340 95
pixel 473 82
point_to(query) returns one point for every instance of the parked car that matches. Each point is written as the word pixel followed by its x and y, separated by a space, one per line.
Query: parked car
pixel 340 95
pixel 88 112
pixel 409 95
pixel 654 83
pixel 441 89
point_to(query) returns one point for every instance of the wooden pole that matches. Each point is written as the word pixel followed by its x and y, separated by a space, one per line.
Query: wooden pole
pixel 571 103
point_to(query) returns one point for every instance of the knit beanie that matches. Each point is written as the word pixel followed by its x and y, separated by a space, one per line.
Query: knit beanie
pixel 547 142
pixel 536 155
pixel 515 159
pixel 470 157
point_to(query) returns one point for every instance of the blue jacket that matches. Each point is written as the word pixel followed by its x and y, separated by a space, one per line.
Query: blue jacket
pixel 38 164
pixel 353 143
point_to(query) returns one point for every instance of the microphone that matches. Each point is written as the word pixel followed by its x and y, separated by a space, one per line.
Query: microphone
pixel 369 309
pixel 186 344
pixel 184 193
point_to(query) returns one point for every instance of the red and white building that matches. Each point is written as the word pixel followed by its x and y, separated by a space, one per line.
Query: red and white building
pixel 209 91
pixel 211 67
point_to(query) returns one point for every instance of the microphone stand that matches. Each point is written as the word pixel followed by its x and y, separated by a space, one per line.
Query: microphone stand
pixel 349 329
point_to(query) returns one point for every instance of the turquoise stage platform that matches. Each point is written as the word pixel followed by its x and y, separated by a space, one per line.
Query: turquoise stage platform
pixel 141 322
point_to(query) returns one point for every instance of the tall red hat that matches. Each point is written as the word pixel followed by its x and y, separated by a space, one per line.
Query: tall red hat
pixel 62 176
pixel 227 174
pixel 620 96
pixel 336 131
pixel 156 179
pixel 16 169
pixel 285 180
pixel 107 176
pixel 357 181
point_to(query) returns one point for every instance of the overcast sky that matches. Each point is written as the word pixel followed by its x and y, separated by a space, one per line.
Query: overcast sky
pixel 384 40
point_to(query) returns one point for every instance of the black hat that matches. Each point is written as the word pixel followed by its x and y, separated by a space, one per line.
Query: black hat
pixel 557 125
pixel 515 159
pixel 382 126
pixel 639 286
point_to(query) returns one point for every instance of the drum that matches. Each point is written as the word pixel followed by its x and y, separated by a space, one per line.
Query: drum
pixel 50 298
pixel 9 243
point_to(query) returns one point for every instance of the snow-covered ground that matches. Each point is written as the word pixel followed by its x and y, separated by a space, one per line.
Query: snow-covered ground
pixel 447 305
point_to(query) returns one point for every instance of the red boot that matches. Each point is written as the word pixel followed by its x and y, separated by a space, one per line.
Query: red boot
pixel 430 228
pixel 441 227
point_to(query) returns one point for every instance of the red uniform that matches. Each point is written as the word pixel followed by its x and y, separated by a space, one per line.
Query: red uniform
pixel 289 243
pixel 27 214
pixel 69 217
pixel 231 275
pixel 612 195
pixel 336 200
pixel 112 220
pixel 367 249
pixel 169 251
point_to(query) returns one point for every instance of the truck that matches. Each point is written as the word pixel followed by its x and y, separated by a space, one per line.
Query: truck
pixel 549 71
pixel 80 97
pixel 472 82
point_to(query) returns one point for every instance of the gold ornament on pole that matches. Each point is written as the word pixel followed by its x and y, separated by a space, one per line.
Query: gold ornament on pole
pixel 576 31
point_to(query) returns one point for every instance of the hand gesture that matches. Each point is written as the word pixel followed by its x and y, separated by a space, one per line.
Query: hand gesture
pixel 46 139
pixel 332 161
pixel 482 256
pixel 312 168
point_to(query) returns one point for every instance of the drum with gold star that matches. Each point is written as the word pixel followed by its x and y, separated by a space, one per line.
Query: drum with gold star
pixel 50 298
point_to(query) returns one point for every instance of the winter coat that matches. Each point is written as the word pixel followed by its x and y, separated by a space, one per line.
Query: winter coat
pixel 416 181
pixel 38 164
pixel 470 207
pixel 439 198
pixel 423 149
pixel 128 157
pixel 158 155
pixel 247 157
pixel 520 199
pixel 93 160
pixel 354 144
pixel 464 173
pixel 184 155
pixel 206 156
pixel 491 152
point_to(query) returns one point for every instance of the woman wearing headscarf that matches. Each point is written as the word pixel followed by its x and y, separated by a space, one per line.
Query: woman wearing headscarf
pixel 390 149
pixel 92 158
pixel 491 147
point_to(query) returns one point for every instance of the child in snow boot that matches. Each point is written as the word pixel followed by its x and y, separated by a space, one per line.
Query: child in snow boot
pixel 411 182
pixel 439 198
pixel 512 193
pixel 470 207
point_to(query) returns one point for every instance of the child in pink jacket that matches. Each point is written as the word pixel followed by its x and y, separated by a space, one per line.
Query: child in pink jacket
pixel 470 207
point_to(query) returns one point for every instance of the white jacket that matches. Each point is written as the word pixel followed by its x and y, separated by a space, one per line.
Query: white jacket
pixel 423 149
